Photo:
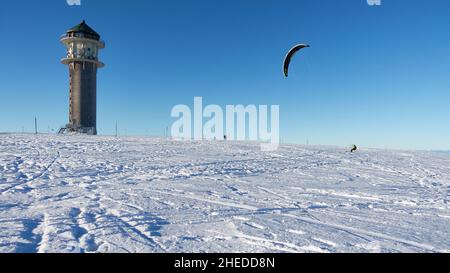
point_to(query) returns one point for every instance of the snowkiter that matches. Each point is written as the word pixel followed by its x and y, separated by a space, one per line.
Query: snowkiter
pixel 354 149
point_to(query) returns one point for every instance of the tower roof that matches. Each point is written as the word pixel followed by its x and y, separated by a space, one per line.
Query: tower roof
pixel 84 29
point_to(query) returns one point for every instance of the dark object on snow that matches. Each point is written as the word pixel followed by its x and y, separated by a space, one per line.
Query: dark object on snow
pixel 225 137
pixel 354 149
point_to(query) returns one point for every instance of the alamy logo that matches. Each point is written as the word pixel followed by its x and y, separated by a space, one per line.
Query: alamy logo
pixel 235 125
pixel 73 2
pixel 374 2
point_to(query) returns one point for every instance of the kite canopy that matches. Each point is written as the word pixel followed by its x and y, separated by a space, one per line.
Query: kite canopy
pixel 289 56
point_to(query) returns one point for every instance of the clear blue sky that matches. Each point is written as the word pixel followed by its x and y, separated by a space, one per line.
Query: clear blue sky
pixel 374 76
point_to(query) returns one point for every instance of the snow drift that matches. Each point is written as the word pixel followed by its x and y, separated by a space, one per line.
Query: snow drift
pixel 106 194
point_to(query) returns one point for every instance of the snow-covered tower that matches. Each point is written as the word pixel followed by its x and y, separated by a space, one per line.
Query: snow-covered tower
pixel 83 45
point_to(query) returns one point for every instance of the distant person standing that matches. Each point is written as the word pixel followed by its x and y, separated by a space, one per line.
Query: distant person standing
pixel 354 149
pixel 224 137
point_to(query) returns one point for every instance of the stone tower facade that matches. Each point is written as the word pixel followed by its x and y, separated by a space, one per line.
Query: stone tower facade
pixel 83 45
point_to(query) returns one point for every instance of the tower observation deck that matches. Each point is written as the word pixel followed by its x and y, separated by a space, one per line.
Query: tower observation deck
pixel 82 45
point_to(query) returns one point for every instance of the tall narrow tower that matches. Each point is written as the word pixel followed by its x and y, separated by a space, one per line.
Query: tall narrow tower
pixel 83 45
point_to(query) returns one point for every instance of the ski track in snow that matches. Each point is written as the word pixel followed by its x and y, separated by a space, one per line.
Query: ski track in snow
pixel 131 194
